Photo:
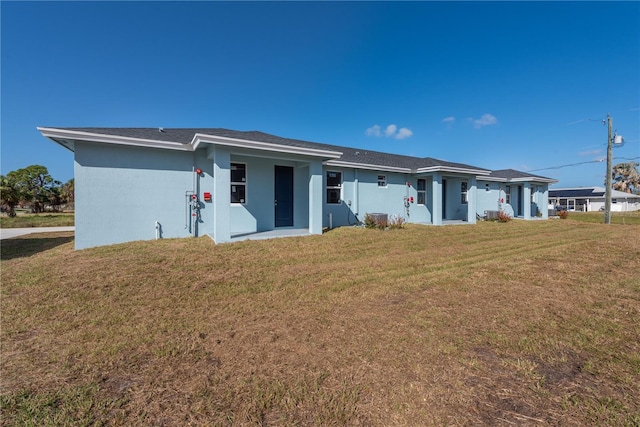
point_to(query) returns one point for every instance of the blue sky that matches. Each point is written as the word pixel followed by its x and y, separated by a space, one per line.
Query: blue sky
pixel 520 85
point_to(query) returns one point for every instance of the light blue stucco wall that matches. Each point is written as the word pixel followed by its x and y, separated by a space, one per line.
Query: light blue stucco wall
pixel 121 192
pixel 488 196
pixel 525 198
pixel 258 213
pixel 360 195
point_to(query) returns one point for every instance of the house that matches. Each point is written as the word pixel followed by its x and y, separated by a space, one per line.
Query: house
pixel 592 199
pixel 145 183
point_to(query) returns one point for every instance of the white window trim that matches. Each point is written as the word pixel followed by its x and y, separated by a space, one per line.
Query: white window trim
pixel 383 180
pixel 245 183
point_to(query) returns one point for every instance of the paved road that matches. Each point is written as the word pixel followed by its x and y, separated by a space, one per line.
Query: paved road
pixel 8 233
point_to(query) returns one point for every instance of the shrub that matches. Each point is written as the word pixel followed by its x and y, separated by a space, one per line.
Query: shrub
pixel 396 222
pixel 369 221
pixel 563 214
pixel 503 217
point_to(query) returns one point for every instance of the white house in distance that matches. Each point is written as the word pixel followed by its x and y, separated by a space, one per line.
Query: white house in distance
pixel 592 199
pixel 145 183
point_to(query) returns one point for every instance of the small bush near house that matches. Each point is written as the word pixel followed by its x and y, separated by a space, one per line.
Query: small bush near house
pixel 396 223
pixel 503 217
pixel 563 214
pixel 369 221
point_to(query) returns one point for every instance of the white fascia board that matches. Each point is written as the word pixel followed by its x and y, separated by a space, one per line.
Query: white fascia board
pixel 75 135
pixel 491 178
pixel 338 163
pixel 453 170
pixel 533 179
pixel 200 138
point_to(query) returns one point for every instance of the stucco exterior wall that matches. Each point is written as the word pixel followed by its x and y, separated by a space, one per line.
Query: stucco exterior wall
pixel 258 213
pixel 121 192
pixel 361 195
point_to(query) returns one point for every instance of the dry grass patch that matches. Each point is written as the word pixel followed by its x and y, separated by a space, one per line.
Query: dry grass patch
pixel 526 323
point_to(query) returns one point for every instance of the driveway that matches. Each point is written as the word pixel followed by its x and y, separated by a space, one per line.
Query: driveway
pixel 8 233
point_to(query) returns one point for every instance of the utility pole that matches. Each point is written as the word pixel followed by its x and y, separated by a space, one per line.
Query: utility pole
pixel 607 197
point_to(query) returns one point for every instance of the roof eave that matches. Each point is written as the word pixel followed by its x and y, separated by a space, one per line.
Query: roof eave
pixel 200 138
pixel 70 136
pixel 367 166
pixel 452 169
pixel 533 179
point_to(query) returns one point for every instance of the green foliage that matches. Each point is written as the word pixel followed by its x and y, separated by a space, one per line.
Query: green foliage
pixel 34 187
pixel 626 177
pixel 10 194
pixel 369 221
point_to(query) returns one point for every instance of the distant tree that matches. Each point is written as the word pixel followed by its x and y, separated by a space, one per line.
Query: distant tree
pixel 9 194
pixel 626 177
pixel 36 187
pixel 68 192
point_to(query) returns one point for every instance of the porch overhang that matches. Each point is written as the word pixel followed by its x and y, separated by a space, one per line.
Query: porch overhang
pixel 200 139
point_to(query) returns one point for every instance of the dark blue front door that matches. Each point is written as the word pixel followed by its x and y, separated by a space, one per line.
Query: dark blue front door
pixel 284 196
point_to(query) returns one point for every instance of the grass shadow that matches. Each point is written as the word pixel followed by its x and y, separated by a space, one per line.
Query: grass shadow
pixel 25 246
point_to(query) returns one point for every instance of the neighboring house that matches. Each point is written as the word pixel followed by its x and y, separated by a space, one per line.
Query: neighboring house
pixel 141 183
pixel 592 199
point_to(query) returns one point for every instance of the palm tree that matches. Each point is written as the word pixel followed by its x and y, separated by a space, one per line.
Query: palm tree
pixel 626 177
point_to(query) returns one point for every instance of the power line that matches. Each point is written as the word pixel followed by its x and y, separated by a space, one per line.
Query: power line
pixel 582 163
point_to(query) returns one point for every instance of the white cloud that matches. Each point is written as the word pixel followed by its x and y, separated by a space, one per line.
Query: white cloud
pixel 403 133
pixel 449 119
pixel 373 131
pixel 391 129
pixel 485 120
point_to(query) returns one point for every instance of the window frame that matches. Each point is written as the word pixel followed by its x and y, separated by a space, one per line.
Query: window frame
pixel 238 183
pixel 464 192
pixel 333 188
pixel 507 194
pixel 382 181
pixel 422 192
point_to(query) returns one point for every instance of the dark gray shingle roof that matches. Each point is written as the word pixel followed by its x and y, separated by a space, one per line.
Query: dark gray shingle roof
pixel 351 155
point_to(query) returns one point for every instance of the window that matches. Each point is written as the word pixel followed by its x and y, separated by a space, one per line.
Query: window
pixel 486 187
pixel 422 191
pixel 507 194
pixel 238 182
pixel 534 189
pixel 463 192
pixel 334 185
pixel 382 180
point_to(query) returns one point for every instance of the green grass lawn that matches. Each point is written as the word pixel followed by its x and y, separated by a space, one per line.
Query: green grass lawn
pixel 23 220
pixel 518 323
